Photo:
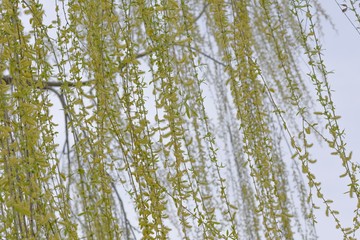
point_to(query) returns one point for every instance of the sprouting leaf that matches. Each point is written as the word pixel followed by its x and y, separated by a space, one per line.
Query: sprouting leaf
pixel 343 175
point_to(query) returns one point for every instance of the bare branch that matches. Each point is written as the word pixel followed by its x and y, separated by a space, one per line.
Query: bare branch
pixel 201 13
pixel 8 81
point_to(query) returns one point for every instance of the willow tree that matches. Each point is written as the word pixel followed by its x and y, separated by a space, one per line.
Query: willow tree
pixel 176 114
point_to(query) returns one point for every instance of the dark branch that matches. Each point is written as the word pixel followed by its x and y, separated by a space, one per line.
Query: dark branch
pixel 9 81
pixel 201 13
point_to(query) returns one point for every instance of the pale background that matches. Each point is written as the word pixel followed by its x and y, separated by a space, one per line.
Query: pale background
pixel 342 55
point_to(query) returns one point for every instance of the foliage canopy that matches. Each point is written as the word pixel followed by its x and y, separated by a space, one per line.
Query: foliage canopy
pixel 147 153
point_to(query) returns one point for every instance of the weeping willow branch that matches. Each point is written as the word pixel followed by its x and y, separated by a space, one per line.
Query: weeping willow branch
pixel 180 171
pixel 46 84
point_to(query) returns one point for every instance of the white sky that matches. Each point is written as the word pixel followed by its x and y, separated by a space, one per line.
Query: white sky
pixel 342 55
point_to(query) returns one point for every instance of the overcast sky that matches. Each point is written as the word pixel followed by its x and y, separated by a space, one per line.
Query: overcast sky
pixel 342 55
